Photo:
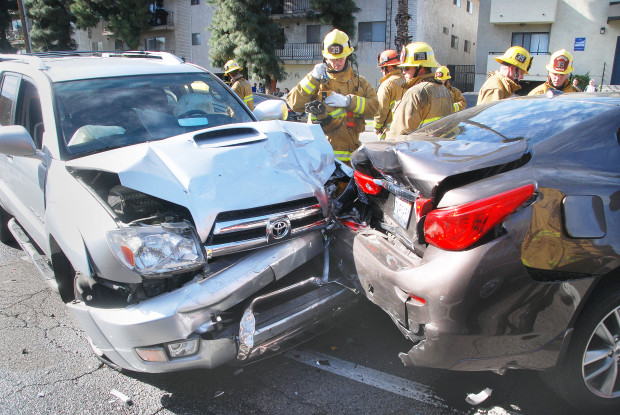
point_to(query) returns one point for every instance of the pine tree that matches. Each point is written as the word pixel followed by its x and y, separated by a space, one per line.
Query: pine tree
pixel 127 19
pixel 242 30
pixel 338 14
pixel 51 24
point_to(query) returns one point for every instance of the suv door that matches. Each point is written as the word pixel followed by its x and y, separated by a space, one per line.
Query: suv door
pixel 25 177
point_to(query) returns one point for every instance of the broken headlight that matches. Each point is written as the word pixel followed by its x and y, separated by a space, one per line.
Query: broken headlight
pixel 158 250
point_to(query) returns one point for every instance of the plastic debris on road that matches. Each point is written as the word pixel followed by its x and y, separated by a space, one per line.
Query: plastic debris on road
pixel 120 395
pixel 477 398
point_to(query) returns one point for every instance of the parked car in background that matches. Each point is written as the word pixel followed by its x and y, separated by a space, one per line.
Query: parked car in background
pixel 292 115
pixel 180 231
pixel 491 238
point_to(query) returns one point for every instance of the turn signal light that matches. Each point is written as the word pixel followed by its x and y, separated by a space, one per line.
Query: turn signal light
pixel 366 183
pixel 459 227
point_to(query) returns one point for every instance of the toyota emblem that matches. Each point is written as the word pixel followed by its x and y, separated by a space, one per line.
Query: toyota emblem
pixel 279 228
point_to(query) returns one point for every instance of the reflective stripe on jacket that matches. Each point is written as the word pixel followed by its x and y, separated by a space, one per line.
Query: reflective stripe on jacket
pixel 347 123
pixel 425 101
pixel 496 87
pixel 243 88
pixel 390 91
pixel 457 98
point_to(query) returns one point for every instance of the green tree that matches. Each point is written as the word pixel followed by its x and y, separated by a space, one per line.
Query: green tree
pixel 242 30
pixel 338 14
pixel 51 24
pixel 5 24
pixel 127 19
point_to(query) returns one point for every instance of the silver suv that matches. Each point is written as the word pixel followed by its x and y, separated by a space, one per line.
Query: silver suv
pixel 180 231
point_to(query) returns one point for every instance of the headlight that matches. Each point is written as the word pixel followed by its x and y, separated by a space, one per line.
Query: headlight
pixel 157 250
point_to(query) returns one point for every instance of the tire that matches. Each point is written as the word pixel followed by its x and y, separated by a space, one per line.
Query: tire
pixel 5 235
pixel 589 375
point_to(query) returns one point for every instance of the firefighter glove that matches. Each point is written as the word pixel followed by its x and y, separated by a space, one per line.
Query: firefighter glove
pixel 338 100
pixel 316 108
pixel 319 71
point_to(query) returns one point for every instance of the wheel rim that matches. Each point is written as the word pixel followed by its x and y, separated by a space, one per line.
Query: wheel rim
pixel 602 356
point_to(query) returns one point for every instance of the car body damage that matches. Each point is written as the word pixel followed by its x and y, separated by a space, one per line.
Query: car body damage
pixel 179 238
pixel 467 234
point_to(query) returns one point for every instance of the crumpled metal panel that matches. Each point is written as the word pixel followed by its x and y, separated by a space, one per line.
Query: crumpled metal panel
pixel 283 161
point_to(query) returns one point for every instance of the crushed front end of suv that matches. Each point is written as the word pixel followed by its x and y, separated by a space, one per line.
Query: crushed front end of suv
pixel 181 231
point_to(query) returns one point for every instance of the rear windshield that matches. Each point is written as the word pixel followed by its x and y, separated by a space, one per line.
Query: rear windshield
pixel 530 119
pixel 101 114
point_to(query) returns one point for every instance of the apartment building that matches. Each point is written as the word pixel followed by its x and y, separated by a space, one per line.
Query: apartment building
pixel 182 27
pixel 588 29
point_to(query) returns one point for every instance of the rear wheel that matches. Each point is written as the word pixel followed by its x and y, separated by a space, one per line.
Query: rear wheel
pixel 589 376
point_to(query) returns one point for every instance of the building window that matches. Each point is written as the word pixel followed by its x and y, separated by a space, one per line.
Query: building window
pixel 118 44
pixel 454 42
pixel 371 31
pixel 313 33
pixel 535 43
pixel 155 44
pixel 470 6
pixel 195 39
pixel 195 2
pixel 446 31
pixel 96 46
pixel 457 3
pixel 467 46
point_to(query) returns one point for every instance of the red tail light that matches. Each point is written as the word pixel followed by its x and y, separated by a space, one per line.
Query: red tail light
pixel 366 183
pixel 459 227
pixel 422 207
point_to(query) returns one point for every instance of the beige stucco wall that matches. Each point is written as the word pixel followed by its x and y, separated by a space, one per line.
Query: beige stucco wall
pixel 523 11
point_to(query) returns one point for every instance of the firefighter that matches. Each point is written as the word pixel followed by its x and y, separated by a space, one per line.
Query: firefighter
pixel 559 68
pixel 515 62
pixel 391 90
pixel 238 83
pixel 336 97
pixel 443 74
pixel 426 99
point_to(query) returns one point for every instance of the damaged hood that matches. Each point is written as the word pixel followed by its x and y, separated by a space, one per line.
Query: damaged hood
pixel 427 161
pixel 235 167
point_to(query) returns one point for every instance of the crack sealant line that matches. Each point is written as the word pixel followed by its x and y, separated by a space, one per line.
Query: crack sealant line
pixel 371 377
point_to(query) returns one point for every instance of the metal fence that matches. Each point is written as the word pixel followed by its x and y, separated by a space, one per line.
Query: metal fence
pixel 462 77
pixel 300 51
pixel 291 7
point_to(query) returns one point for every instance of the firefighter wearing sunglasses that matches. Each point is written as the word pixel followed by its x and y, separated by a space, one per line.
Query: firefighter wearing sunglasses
pixel 336 97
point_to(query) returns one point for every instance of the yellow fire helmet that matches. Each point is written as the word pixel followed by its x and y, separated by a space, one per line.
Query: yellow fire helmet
pixel 418 54
pixel 336 45
pixel 230 66
pixel 517 56
pixel 443 73
pixel 561 62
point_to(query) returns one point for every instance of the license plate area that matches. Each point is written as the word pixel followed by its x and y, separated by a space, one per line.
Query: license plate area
pixel 402 211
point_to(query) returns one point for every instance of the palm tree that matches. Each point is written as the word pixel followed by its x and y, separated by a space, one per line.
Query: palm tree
pixel 402 21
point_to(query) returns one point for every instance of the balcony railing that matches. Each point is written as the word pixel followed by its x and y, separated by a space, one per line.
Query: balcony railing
pixel 291 7
pixel 300 51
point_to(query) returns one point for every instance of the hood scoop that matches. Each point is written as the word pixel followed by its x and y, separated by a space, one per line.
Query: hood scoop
pixel 224 137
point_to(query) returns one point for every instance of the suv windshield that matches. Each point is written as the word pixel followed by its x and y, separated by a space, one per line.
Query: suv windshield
pixel 529 119
pixel 100 114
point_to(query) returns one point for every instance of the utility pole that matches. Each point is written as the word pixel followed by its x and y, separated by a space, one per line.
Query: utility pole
pixel 22 16
pixel 603 77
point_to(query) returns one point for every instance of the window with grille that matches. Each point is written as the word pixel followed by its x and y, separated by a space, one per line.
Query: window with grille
pixel 371 32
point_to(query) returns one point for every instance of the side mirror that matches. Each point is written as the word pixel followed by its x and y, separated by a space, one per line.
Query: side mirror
pixel 272 109
pixel 15 140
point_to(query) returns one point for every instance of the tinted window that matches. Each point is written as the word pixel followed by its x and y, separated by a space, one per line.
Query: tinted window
pixel 7 99
pixel 29 113
pixel 532 119
pixel 99 114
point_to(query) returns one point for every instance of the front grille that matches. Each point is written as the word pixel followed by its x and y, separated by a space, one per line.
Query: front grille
pixel 240 230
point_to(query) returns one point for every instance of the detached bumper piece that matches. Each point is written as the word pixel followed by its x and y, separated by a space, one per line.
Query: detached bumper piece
pixel 266 330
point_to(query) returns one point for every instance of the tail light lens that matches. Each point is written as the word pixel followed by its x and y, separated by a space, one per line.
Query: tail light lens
pixel 366 183
pixel 459 227
pixel 422 207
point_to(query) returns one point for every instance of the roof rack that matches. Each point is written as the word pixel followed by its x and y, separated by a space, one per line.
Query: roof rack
pixel 166 57
pixel 27 59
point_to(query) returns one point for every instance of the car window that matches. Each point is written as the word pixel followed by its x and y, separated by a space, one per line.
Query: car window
pixel 28 111
pixel 99 114
pixel 8 96
pixel 530 119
